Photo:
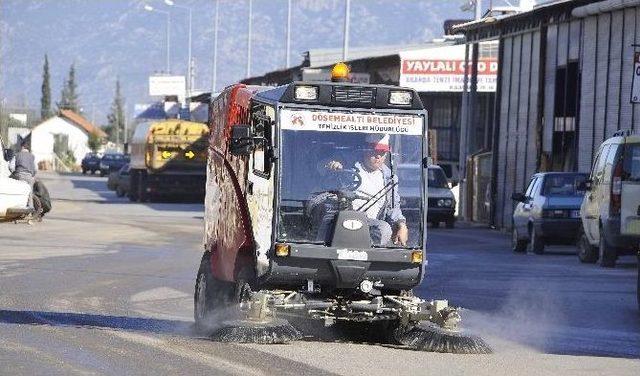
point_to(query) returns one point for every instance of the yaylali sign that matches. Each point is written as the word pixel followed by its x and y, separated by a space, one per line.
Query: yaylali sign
pixel 442 69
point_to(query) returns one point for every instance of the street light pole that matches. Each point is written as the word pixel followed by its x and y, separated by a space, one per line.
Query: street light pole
pixel 345 43
pixel 215 49
pixel 249 39
pixel 149 8
pixel 288 57
pixel 171 3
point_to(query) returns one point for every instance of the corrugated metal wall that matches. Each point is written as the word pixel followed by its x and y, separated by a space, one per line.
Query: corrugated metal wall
pixel 602 44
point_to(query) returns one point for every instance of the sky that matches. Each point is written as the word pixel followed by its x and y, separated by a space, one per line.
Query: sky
pixel 118 39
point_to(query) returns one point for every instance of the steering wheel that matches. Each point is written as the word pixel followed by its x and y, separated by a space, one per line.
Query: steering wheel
pixel 348 179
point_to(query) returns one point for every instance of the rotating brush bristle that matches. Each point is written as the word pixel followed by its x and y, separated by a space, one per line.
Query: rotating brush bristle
pixel 262 332
pixel 436 339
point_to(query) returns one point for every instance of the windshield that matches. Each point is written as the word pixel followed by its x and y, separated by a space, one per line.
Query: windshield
pixel 632 162
pixel 563 185
pixel 437 178
pixel 325 170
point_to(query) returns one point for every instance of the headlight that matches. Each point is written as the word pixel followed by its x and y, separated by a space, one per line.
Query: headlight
pixel 400 97
pixel 306 93
pixel 441 202
pixel 448 202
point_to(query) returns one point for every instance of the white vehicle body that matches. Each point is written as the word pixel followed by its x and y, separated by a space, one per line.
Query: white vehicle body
pixel 14 194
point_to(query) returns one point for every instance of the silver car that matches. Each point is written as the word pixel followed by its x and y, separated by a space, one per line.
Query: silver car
pixel 548 212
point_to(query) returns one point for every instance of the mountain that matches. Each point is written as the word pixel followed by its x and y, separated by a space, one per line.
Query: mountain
pixel 107 39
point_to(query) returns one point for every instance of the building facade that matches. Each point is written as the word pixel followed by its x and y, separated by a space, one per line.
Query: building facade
pixel 564 86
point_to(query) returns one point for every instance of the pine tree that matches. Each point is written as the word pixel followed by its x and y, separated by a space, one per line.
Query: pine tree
pixel 69 94
pixel 116 116
pixel 45 100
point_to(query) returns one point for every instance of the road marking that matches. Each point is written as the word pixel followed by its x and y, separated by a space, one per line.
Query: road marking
pixel 191 354
pixel 160 293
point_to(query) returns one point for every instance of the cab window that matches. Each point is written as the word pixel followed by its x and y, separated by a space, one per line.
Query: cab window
pixel 631 162
pixel 262 120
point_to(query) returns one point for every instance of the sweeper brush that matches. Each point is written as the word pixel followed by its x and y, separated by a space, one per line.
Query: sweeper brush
pixel 433 338
pixel 263 332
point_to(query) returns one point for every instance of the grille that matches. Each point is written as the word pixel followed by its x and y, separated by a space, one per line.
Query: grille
pixel 348 94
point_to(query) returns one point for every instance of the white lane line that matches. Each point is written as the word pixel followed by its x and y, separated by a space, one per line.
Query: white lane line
pixel 193 355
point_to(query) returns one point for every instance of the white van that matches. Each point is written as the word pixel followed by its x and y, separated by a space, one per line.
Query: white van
pixel 14 194
pixel 610 209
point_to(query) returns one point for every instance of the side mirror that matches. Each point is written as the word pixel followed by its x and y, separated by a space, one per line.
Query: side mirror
pixel 519 197
pixel 585 185
pixel 241 140
pixel 453 184
pixel 8 154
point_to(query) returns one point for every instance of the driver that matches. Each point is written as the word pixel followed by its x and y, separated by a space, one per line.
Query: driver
pixel 386 221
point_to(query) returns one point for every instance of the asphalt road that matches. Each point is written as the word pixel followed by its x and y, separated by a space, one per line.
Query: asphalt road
pixel 104 286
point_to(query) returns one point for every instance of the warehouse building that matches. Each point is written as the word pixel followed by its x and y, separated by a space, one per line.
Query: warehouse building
pixel 564 85
pixel 434 69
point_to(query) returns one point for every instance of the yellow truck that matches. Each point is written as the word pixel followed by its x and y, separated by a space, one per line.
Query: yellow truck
pixel 168 159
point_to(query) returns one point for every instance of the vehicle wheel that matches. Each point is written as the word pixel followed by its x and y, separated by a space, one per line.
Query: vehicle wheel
pixel 517 245
pixel 120 192
pixel 537 243
pixel 39 212
pixel 450 223
pixel 607 253
pixel 102 173
pixel 587 253
pixel 435 224
pixel 84 171
pixel 210 296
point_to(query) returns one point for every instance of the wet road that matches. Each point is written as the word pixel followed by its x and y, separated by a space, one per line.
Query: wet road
pixel 103 286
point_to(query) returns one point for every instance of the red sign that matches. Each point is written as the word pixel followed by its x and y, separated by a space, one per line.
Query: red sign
pixel 485 67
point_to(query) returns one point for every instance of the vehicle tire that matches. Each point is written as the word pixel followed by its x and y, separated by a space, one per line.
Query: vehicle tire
pixel 84 171
pixel 38 209
pixel 536 241
pixel 587 253
pixel 606 252
pixel 120 192
pixel 210 295
pixel 435 224
pixel 102 173
pixel 517 245
pixel 450 223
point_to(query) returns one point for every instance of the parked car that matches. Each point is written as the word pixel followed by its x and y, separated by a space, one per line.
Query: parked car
pixel 90 162
pixel 611 208
pixel 548 212
pixel 441 202
pixel 119 181
pixel 112 162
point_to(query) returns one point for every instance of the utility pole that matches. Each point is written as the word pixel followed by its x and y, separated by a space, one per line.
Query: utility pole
pixel 248 74
pixel 478 9
pixel 345 41
pixel 288 56
pixel 215 49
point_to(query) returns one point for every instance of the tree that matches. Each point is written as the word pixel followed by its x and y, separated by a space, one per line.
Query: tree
pixel 45 100
pixel 116 116
pixel 69 94
pixel 94 142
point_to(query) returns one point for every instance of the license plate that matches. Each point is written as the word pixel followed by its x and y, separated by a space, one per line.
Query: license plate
pixel 575 214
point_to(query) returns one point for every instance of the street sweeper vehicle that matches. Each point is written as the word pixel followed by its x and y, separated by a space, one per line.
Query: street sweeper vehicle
pixel 303 213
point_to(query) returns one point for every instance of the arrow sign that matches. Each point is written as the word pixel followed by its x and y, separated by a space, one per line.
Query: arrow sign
pixel 166 154
pixel 189 154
